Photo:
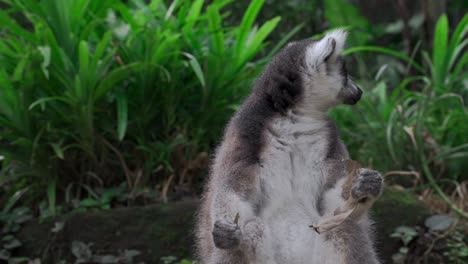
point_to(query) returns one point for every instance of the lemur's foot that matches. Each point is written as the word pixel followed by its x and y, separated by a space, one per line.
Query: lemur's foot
pixel 368 185
pixel 226 234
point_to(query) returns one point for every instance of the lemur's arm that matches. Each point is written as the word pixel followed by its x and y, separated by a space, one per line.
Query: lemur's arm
pixel 235 223
pixel 346 187
pixel 345 215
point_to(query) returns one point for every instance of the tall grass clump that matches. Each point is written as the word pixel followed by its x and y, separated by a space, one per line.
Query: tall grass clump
pixel 93 93
pixel 418 130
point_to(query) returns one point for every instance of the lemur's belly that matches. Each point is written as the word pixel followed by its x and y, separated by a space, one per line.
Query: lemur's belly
pixel 292 177
pixel 290 238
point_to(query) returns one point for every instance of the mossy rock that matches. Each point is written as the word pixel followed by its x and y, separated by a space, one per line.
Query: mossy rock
pixel 167 230
pixel 393 209
pixel 155 231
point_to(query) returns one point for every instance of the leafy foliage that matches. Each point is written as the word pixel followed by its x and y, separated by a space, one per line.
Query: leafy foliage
pixel 94 92
pixel 440 238
pixel 341 13
pixel 11 219
pixel 424 128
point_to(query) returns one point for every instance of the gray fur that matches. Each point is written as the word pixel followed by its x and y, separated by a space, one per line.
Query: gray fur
pixel 282 123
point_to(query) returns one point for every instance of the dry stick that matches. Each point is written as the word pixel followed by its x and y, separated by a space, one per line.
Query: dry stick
pixel 136 183
pixel 166 187
pixel 236 219
pixel 122 161
pixel 414 173
pixel 439 191
pixel 352 209
pixel 438 237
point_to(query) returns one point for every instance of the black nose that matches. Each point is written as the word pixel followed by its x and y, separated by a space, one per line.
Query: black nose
pixel 359 93
pixel 359 90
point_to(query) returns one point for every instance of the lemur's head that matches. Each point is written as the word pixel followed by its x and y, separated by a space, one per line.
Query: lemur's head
pixel 318 68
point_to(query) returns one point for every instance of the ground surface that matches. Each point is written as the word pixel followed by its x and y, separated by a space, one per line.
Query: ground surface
pixel 166 230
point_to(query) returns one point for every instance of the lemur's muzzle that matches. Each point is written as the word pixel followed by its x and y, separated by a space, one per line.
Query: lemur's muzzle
pixel 351 93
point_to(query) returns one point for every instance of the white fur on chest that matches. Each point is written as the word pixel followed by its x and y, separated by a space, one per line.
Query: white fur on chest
pixel 295 149
pixel 291 174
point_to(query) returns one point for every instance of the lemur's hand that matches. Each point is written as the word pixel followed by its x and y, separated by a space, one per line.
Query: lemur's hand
pixel 226 234
pixel 368 185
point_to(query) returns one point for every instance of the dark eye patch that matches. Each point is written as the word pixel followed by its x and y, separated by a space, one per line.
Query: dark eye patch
pixel 343 71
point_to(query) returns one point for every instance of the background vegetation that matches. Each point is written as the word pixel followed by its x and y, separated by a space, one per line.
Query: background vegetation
pixel 113 103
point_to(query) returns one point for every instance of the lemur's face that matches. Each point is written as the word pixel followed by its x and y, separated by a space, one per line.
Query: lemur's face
pixel 325 78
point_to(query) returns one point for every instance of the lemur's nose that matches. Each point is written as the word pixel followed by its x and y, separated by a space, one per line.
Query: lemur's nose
pixel 359 90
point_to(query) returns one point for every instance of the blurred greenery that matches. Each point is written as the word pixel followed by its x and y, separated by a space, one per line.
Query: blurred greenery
pixel 94 92
pixel 110 102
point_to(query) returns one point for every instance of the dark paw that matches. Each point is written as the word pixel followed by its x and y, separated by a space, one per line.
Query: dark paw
pixel 369 184
pixel 226 235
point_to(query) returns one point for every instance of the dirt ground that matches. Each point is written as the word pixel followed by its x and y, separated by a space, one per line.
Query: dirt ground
pixel 167 230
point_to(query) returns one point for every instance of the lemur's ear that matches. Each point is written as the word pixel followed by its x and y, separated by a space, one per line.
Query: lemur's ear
pixel 327 49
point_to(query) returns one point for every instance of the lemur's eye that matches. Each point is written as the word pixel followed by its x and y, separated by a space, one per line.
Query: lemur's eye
pixel 343 70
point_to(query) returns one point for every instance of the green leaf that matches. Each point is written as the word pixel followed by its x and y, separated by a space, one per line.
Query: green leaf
pixel 84 65
pixel 89 202
pixel 45 51
pixel 102 46
pixel 246 25
pixel 255 45
pixel 457 37
pixel 216 29
pixel 58 150
pixel 13 199
pixel 19 70
pixel 439 51
pixel 193 15
pixel 15 243
pixel 196 69
pixel 51 196
pixel 284 40
pixel 340 13
pixel 116 76
pixel 122 115
pixel 42 101
pixel 170 10
pixel 387 51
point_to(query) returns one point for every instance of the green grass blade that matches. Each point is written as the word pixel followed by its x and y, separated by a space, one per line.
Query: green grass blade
pixel 386 51
pixel 115 77
pixel 51 196
pixel 44 100
pixel 254 46
pixel 193 15
pixel 216 29
pixel 246 25
pixel 439 51
pixel 460 66
pixel 122 115
pixel 13 200
pixel 196 69
pixel 457 37
pixel 284 40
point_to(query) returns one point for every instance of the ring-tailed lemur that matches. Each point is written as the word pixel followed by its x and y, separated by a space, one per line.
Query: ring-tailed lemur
pixel 267 183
